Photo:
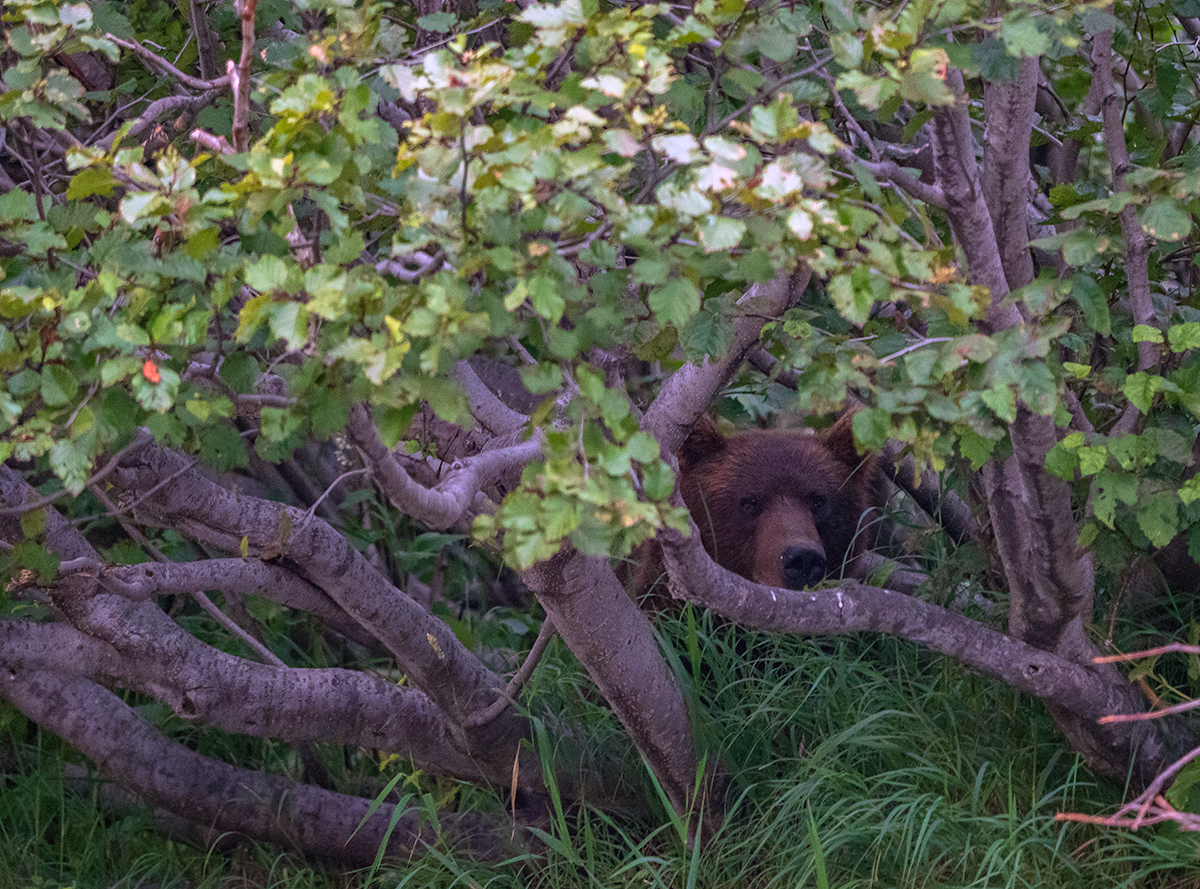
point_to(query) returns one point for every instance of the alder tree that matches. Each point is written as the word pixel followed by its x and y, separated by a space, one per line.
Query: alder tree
pixel 326 325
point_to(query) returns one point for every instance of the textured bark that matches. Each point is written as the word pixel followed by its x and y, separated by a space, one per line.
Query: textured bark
pixel 1009 123
pixel 1051 578
pixel 424 647
pixel 168 775
pixel 136 646
pixel 452 500
pixel 957 173
pixel 1078 693
pixel 617 645
pixel 160 658
pixel 691 389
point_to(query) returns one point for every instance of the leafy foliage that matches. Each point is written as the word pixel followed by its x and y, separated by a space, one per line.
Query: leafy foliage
pixel 591 197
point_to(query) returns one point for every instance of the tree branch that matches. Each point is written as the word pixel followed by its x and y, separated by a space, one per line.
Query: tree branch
pixel 449 503
pixel 1009 124
pixel 690 390
pixel 1085 690
pixel 168 775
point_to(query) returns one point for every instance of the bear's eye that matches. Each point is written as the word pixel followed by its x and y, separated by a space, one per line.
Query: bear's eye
pixel 751 506
pixel 819 504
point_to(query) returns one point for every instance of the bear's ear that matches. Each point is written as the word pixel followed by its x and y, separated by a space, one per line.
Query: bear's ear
pixel 839 438
pixel 704 441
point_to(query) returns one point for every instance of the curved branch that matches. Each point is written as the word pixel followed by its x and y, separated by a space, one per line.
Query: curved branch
pixel 689 391
pixel 1087 691
pixel 161 65
pixel 449 503
pixel 168 775
pixel 136 646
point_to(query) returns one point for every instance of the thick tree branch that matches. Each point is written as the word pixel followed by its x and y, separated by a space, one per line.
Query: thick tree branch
pixel 1086 691
pixel 691 389
pixel 1009 123
pixel 970 220
pixel 136 646
pixel 616 643
pixel 425 647
pixel 246 577
pixel 168 775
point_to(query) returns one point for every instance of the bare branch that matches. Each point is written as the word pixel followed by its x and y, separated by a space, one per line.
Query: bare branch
pixel 161 65
pixel 691 389
pixel 1084 690
pixel 239 76
pixel 544 637
pixel 449 503
pixel 165 774
pixel 491 413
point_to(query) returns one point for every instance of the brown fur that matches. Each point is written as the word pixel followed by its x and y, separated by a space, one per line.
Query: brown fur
pixel 781 508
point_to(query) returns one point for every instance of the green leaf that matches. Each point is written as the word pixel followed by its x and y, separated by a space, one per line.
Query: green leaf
pixel 1144 333
pixel 1062 461
pixel 91 181
pixel 1092 459
pixel 1189 492
pixel 872 427
pixel 59 386
pixel 1110 488
pixel 1158 517
pixel 1093 303
pixel 1140 388
pixel 71 461
pixel 240 372
pixel 675 302
pixel 223 448
pixel 437 22
pixel 1166 220
pixel 1184 336
pixel 34 556
pixel 269 273
pixel 720 233
pixel 545 298
pixel 976 448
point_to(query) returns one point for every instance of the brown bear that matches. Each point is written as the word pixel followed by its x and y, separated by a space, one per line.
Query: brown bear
pixel 782 508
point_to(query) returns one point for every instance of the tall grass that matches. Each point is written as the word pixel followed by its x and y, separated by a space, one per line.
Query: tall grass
pixel 855 762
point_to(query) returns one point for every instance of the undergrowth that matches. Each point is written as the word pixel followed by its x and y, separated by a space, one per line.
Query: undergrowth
pixel 853 762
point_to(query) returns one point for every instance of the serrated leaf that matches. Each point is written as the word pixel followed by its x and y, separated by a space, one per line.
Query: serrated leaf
pixel 1158 517
pixel 59 386
pixel 1184 336
pixel 437 22
pixel 872 427
pixel 674 302
pixel 71 461
pixel 1110 488
pixel 1140 388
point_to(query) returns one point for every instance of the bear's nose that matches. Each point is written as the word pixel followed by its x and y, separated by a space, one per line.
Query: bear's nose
pixel 802 567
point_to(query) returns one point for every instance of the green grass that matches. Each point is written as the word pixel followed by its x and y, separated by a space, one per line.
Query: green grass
pixel 856 762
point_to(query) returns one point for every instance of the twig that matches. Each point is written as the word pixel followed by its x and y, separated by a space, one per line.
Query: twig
pixel 166 67
pixel 108 467
pixel 509 695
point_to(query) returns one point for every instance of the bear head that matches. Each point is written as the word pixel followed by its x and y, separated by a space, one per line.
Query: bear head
pixel 782 508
